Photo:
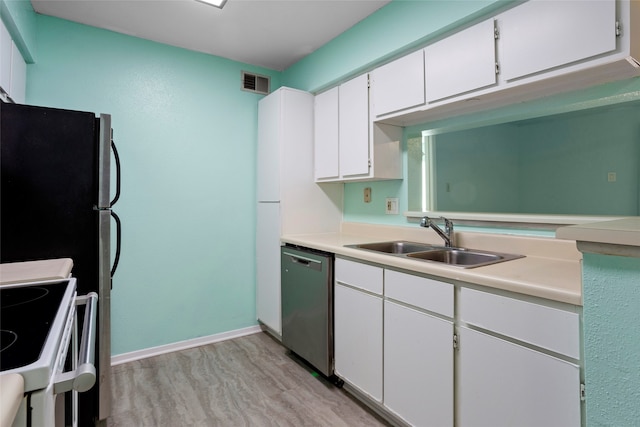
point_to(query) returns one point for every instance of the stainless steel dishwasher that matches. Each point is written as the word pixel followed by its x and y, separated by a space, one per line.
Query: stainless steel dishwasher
pixel 307 305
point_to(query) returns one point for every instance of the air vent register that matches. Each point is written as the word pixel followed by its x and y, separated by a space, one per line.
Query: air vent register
pixel 256 83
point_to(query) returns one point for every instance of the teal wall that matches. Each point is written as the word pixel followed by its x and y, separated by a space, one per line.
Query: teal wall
pixel 565 161
pixel 186 134
pixel 20 20
pixel 611 286
pixel 477 170
pixel 551 165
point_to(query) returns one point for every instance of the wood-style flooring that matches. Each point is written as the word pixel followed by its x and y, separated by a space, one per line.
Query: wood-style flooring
pixel 247 381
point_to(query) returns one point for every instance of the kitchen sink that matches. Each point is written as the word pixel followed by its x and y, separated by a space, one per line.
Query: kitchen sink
pixel 396 247
pixel 463 257
pixel 457 257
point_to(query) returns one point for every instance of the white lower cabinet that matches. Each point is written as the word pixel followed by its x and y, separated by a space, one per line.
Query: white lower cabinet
pixel 358 339
pixel 358 326
pixel 418 349
pixel 517 380
pixel 516 362
pixel 268 296
pixel 418 366
pixel 502 384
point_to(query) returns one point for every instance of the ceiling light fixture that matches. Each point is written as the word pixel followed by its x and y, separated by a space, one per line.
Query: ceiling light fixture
pixel 217 3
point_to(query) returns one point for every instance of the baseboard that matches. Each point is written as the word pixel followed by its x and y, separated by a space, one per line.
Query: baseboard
pixel 182 345
pixel 375 406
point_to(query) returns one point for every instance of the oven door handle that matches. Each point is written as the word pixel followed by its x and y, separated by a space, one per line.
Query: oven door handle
pixel 84 376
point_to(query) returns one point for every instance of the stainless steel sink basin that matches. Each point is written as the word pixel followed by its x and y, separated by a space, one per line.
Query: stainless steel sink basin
pixel 396 247
pixel 457 257
pixel 462 258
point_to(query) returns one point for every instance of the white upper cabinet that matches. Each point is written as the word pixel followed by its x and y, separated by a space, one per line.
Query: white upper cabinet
pixel 542 48
pixel 353 125
pixel 326 147
pixel 269 140
pixel 399 84
pixel 13 68
pixel 348 145
pixel 18 86
pixel 540 35
pixel 461 63
pixel 5 57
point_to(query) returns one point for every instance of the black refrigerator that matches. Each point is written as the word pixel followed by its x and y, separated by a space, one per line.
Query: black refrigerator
pixel 55 202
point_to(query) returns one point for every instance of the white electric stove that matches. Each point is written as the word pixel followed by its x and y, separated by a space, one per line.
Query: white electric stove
pixel 38 333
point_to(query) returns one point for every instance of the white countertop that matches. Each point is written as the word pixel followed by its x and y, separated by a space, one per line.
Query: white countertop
pixel 11 391
pixel 617 237
pixel 550 269
pixel 33 271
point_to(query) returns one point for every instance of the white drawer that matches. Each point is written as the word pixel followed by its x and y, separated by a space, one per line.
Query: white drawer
pixel 419 291
pixel 359 275
pixel 551 328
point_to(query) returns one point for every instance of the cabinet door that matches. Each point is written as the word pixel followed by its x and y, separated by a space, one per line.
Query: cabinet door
pixel 358 339
pixel 268 265
pixel 18 76
pixel 539 35
pixel 5 57
pixel 354 127
pixel 418 366
pixel 461 63
pixel 326 139
pixel 399 84
pixel 269 137
pixel 502 384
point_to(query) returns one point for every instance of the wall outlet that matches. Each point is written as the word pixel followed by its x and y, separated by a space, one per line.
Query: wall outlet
pixel 367 195
pixel 392 206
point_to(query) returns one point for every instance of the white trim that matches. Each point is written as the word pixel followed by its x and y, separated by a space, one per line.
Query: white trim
pixel 517 218
pixel 182 345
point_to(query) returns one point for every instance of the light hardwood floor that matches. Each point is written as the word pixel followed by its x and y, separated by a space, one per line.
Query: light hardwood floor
pixel 247 381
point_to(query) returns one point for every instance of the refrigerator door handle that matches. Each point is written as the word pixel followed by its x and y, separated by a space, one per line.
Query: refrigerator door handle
pixel 118 245
pixel 117 159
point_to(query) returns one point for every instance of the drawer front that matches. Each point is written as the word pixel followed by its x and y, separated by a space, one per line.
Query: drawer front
pixel 358 275
pixel 554 329
pixel 421 292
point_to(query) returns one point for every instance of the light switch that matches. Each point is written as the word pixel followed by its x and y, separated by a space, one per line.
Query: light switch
pixel 392 206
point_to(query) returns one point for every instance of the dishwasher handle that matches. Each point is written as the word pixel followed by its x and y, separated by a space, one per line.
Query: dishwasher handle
pixel 304 261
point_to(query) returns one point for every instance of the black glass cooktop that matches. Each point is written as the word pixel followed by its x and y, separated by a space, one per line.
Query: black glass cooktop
pixel 26 315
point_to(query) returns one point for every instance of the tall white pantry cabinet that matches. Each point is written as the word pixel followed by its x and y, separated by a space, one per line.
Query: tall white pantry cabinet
pixel 288 199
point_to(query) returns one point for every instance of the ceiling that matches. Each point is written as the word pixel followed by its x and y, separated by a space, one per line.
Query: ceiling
pixel 269 33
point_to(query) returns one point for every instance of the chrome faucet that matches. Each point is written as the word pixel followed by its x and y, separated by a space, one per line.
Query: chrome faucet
pixel 447 234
